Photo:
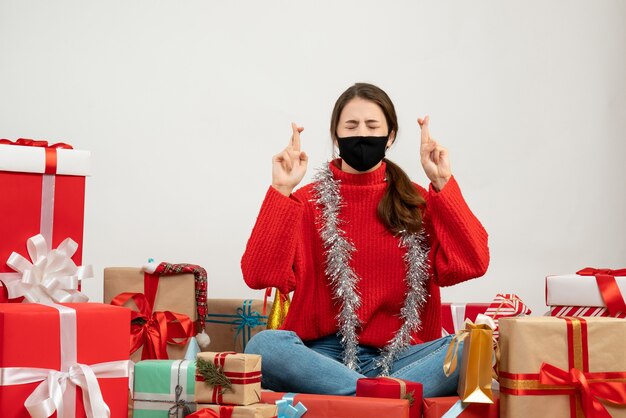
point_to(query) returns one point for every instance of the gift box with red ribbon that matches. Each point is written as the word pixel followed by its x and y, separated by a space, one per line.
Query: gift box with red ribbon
pixel 453 315
pixel 228 378
pixel 324 406
pixel 390 387
pixel 562 367
pixel 43 192
pixel 63 360
pixel 452 407
pixel 577 294
pixel 168 298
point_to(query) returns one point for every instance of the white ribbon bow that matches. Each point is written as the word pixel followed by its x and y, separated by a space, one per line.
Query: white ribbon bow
pixel 51 277
pixel 48 396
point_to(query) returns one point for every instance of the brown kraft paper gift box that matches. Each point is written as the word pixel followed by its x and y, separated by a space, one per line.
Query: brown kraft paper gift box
pixel 232 322
pixel 235 377
pixel 547 363
pixel 175 293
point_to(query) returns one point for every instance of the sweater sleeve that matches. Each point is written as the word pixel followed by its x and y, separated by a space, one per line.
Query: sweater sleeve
pixel 460 251
pixel 270 254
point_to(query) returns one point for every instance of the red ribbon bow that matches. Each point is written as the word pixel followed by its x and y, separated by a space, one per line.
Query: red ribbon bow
pixel 609 289
pixel 590 385
pixel 158 330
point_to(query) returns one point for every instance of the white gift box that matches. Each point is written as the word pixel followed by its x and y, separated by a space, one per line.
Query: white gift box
pixel 577 290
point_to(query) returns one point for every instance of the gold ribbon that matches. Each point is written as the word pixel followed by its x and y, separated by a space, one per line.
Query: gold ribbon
pixel 402 386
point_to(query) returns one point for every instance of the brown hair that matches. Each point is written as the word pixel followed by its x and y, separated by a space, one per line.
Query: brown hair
pixel 401 207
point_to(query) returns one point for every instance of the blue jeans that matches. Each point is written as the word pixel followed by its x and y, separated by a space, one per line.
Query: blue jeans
pixel 291 365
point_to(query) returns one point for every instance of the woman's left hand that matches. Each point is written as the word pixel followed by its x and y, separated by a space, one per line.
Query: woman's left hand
pixel 434 157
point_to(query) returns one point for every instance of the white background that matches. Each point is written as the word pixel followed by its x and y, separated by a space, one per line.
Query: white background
pixel 183 103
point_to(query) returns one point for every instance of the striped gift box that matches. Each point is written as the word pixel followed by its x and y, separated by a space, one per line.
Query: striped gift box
pixel 506 305
pixel 583 311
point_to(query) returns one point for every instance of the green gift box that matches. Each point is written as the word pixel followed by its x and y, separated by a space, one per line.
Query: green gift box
pixel 164 388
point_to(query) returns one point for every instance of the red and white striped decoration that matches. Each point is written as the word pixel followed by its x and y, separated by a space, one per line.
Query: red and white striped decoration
pixel 583 311
pixel 506 305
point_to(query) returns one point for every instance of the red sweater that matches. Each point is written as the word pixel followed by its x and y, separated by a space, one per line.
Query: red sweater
pixel 285 251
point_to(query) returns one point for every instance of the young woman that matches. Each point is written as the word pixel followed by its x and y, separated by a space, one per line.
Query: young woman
pixel 365 252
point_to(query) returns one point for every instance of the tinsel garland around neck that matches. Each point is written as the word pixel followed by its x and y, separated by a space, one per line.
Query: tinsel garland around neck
pixel 344 280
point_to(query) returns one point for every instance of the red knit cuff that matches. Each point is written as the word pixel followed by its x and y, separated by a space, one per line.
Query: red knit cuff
pixel 432 190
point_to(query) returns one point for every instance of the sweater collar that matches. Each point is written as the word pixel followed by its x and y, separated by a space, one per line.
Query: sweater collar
pixel 374 177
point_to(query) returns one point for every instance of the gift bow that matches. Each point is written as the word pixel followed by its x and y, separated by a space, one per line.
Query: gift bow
pixel 181 406
pixel 592 389
pixel 285 408
pixel 451 360
pixel 608 287
pixel 51 277
pixel 48 396
pixel 246 321
pixel 157 328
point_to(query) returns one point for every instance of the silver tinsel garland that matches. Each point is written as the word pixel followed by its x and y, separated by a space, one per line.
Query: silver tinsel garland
pixel 338 254
pixel 344 280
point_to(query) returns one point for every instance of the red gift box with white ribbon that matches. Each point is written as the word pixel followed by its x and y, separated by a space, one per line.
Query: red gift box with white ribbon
pixel 64 360
pixel 43 192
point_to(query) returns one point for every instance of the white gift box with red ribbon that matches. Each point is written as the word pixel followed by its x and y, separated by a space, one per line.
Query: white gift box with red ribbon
pixel 589 287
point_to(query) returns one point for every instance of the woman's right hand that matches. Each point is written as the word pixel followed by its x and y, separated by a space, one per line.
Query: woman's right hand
pixel 289 166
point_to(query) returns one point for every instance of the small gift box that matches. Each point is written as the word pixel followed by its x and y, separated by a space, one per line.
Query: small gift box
pixel 164 388
pixel 228 378
pixel 164 322
pixel 589 287
pixel 476 371
pixel 48 353
pixel 324 406
pixel 453 315
pixel 43 192
pixel 562 367
pixel 390 387
pixel 232 322
pixel 257 410
pixel 452 407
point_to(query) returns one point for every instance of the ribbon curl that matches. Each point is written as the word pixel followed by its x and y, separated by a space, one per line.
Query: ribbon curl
pixel 50 276
pixel 592 391
pixel 154 330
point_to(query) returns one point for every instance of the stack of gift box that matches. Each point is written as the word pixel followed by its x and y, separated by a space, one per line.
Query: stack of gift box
pixel 146 352
pixel 53 359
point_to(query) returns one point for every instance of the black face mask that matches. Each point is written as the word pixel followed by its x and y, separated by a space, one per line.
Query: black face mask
pixel 362 152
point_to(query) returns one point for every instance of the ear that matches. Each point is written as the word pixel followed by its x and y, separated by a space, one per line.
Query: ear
pixel 392 138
